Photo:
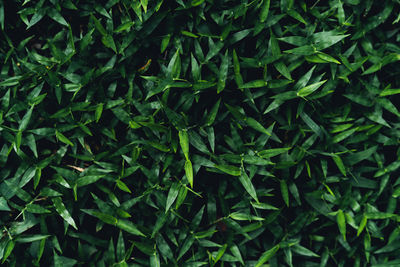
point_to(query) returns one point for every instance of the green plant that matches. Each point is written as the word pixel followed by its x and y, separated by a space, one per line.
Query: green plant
pixel 205 133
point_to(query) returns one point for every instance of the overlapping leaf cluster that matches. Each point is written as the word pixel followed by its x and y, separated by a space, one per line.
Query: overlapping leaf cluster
pixel 199 133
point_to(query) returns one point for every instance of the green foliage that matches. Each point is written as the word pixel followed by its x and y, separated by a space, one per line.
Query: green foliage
pixel 199 133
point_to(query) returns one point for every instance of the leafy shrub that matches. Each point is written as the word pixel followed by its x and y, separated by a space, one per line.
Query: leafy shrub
pixel 199 133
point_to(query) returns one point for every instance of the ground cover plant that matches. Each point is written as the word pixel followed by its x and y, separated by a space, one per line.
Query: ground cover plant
pixel 199 133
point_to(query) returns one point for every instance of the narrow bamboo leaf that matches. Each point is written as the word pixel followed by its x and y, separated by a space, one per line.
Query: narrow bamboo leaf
pixel 124 26
pixel 121 185
pixel 362 225
pixel 60 208
pixel 300 250
pixel 246 182
pixel 8 250
pixel 213 113
pixel 165 42
pixel 120 247
pixel 236 252
pixel 189 172
pixel 98 112
pixel 339 163
pixel 229 169
pixel 197 2
pixel 328 58
pixel 387 92
pixel 269 153
pixel 155 260
pixel 264 10
pixel 220 253
pixel 10 81
pixel 196 73
pixel 223 72
pixel 267 255
pixel 184 142
pixel 129 227
pixel 3 204
pixel 310 123
pixel 34 208
pixel 25 120
pixel 282 69
pixel 57 17
pixel 254 84
pixel 284 192
pixel 256 126
pixel 187 244
pixel 107 218
pixel 302 82
pixel 63 139
pixel 294 14
pixel 172 195
pixel 31 238
pixel 341 221
pixel 263 206
pixel 236 68
pixel 343 135
pixel 305 91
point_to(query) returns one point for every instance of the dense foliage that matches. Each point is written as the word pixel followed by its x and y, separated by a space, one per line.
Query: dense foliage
pixel 199 133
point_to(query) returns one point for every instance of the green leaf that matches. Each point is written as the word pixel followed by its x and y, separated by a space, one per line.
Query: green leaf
pixel 57 17
pixel 63 139
pixel 282 69
pixel 124 26
pixel 248 186
pixel 254 84
pixel 172 195
pixel 63 212
pixel 236 69
pixel 184 142
pixel 269 153
pixel 25 120
pixel 284 192
pixel 223 72
pixel 298 249
pixel 294 14
pixel 3 204
pixel 267 255
pixel 155 260
pixel 213 113
pixel 121 185
pixel 256 126
pixel 189 172
pixel 362 225
pixel 341 221
pixel 229 169
pixel 197 2
pixel 129 227
pixel 305 91
pixel 8 250
pixel 109 219
pixel 264 10
pixel 339 163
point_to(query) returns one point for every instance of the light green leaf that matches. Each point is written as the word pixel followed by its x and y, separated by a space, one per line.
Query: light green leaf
pixel 267 255
pixel 264 10
pixel 184 142
pixel 189 172
pixel 305 91
pixel 256 126
pixel 269 153
pixel 60 208
pixel 229 169
pixel 246 182
pixel 341 221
